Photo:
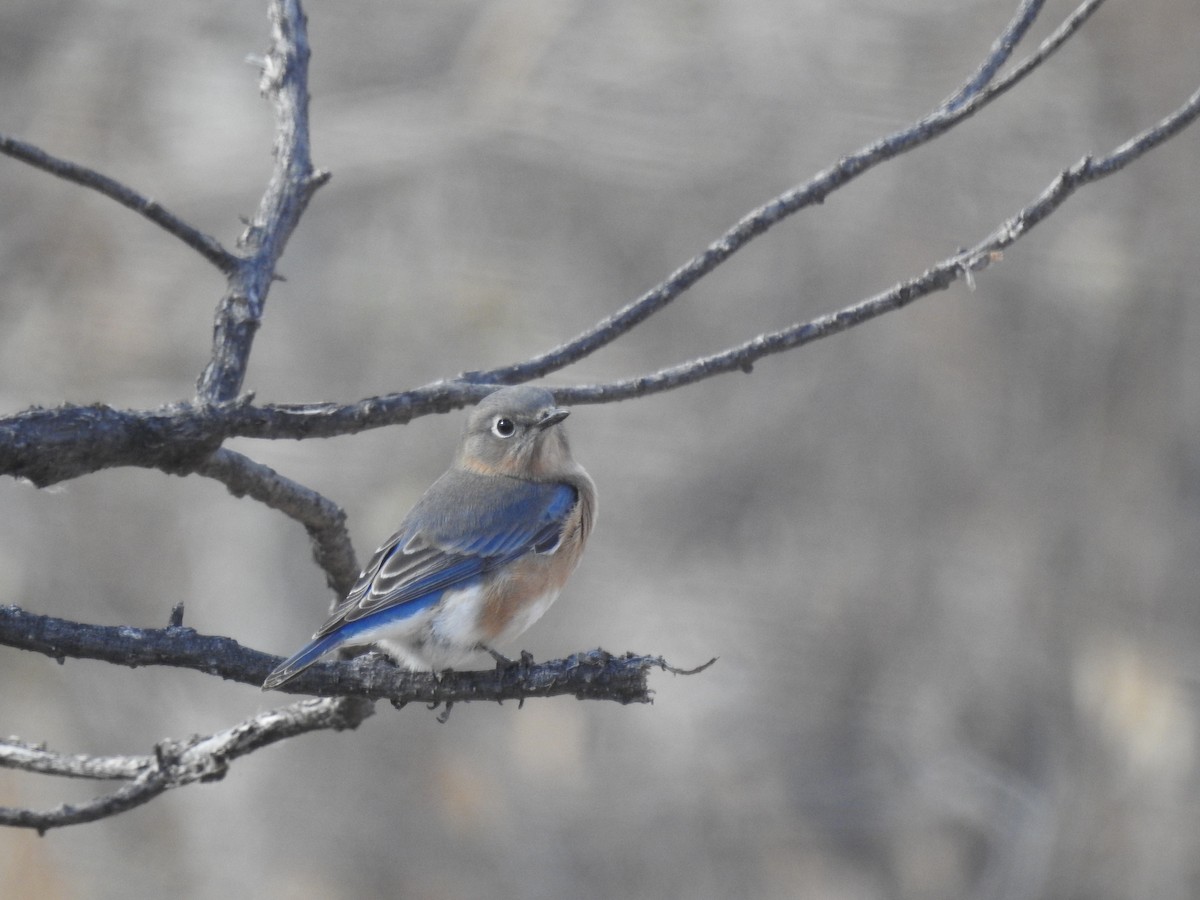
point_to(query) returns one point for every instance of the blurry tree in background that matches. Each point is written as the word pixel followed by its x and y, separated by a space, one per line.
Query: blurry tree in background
pixel 955 609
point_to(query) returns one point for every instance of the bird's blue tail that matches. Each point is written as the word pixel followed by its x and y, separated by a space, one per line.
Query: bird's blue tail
pixel 304 658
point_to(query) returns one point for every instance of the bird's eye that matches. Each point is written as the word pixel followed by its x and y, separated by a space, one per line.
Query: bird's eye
pixel 503 427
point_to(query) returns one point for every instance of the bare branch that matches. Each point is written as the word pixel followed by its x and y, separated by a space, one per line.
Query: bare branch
pixel 142 790
pixel 205 245
pixel 813 191
pixel 292 184
pixel 16 754
pixel 594 675
pixel 47 446
pixel 174 763
pixel 1002 49
pixel 589 675
pixel 323 519
pixel 939 277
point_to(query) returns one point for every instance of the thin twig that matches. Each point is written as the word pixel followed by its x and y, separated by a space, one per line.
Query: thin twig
pixel 938 277
pixel 174 763
pixel 1002 49
pixel 207 246
pixel 760 220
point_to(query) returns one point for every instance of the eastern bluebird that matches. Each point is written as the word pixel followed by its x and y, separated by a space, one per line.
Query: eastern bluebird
pixel 483 553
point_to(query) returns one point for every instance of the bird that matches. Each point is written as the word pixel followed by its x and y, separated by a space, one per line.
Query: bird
pixel 483 553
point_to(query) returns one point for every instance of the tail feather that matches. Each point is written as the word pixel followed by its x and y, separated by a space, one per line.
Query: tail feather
pixel 305 657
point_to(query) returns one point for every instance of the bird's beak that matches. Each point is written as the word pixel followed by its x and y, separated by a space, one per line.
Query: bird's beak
pixel 553 417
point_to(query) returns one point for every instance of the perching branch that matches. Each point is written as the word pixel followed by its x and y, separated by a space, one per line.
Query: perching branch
pixel 595 675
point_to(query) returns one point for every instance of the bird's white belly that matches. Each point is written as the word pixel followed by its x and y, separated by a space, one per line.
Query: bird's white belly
pixel 450 633
pixel 441 637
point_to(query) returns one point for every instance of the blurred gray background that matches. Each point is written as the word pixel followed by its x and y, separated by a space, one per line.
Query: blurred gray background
pixel 949 560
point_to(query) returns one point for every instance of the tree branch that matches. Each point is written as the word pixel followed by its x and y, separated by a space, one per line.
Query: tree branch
pixel 292 184
pixel 16 754
pixel 206 246
pixel 967 101
pixel 1002 49
pixel 173 764
pixel 937 278
pixel 593 675
pixel 46 446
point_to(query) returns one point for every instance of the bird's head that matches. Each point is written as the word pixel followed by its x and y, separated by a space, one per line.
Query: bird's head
pixel 516 431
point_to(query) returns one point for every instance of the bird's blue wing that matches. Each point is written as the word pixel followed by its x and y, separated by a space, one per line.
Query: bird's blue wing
pixel 465 526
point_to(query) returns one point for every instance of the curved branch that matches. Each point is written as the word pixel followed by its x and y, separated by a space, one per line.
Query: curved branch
pixel 323 519
pixel 141 790
pixel 292 184
pixel 967 101
pixel 173 764
pixel 205 245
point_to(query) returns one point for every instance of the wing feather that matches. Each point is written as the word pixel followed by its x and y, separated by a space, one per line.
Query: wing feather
pixel 465 526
